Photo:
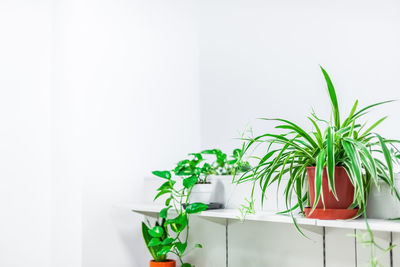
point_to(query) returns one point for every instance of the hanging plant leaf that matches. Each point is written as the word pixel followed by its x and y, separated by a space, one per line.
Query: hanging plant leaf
pixel 156 231
pixel 196 207
pixel 190 181
pixel 162 174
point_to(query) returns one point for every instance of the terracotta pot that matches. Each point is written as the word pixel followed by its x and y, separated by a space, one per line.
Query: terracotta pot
pixel 344 190
pixel 167 263
pixel 331 214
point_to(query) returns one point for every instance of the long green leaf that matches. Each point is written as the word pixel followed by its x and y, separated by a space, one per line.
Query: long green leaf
pixel 298 129
pixel 318 134
pixel 333 97
pixel 361 112
pixel 373 126
pixel 318 178
pixel 387 156
pixel 367 158
pixel 348 120
pixel 330 148
pixel 355 165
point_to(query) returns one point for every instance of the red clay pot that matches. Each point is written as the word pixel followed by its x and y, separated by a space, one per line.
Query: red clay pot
pixel 167 263
pixel 331 214
pixel 344 191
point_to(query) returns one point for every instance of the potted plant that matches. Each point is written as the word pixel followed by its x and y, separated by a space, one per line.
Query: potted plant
pixel 173 231
pixel 157 242
pixel 199 172
pixel 222 172
pixel 331 169
pixel 194 174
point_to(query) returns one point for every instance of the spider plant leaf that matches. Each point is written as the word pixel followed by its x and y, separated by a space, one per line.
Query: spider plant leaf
pixel 317 118
pixel 318 178
pixel 297 129
pixel 275 165
pixel 318 134
pixel 348 120
pixel 366 158
pixel 284 170
pixel 387 156
pixel 330 148
pixel 299 193
pixel 284 140
pixel 303 199
pixel 361 112
pixel 333 97
pixel 298 228
pixel 348 129
pixel 352 128
pixel 354 165
pixel 265 158
pixel 373 126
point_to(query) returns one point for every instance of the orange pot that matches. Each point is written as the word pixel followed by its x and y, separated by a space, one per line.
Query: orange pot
pixel 167 263
pixel 334 208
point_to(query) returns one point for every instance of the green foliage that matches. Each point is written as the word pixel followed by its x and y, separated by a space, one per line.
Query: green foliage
pixel 154 245
pixel 196 207
pixel 346 145
pixel 224 165
pixel 171 236
pixel 366 156
pixel 199 166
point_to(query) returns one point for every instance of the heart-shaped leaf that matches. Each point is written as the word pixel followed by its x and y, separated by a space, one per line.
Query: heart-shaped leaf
pixel 156 231
pixel 190 182
pixel 163 174
pixel 154 242
pixel 196 207
pixel 164 212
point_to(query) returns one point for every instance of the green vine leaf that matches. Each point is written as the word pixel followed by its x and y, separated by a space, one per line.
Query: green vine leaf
pixel 190 181
pixel 164 212
pixel 163 174
pixel 154 242
pixel 156 231
pixel 196 207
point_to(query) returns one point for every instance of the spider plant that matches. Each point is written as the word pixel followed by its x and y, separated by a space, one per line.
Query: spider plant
pixel 366 156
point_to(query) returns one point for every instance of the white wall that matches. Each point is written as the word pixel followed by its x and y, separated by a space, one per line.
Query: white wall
pixel 25 132
pixel 139 73
pixel 261 59
pixel 95 95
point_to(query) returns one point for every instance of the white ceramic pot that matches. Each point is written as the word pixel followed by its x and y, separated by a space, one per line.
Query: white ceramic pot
pixel 214 192
pixel 201 193
pixel 382 203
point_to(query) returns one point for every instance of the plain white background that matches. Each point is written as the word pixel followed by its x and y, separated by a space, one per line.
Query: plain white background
pixel 96 94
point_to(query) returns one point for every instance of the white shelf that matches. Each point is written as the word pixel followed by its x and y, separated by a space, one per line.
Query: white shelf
pixel 224 215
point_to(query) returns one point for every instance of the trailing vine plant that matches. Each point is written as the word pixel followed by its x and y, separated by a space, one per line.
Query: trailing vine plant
pixel 170 235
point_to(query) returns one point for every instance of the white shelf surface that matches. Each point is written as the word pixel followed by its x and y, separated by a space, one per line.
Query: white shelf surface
pixel 222 215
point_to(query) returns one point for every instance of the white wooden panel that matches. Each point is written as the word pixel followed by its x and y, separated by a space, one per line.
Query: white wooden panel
pixel 212 237
pixel 364 251
pixel 256 244
pixel 340 247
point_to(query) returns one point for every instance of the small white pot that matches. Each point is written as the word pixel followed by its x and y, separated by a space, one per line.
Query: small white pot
pixel 383 204
pixel 201 193
pixel 214 192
